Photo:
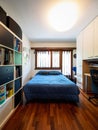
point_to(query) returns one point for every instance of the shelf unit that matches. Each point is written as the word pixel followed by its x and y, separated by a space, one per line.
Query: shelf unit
pixel 10 70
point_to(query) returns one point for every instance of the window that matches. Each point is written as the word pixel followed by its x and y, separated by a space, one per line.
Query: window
pixel 55 59
pixel 47 59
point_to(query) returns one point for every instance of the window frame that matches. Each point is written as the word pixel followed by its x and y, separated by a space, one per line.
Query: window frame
pixel 52 49
pixel 51 67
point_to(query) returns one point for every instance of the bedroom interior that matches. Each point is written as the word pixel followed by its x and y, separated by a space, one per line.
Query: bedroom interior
pixel 48 65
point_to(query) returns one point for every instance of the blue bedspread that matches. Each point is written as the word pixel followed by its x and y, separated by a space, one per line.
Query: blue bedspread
pixel 51 87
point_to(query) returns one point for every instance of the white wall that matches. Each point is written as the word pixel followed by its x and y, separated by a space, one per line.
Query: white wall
pixel 26 60
pixel 47 44
pixel 53 44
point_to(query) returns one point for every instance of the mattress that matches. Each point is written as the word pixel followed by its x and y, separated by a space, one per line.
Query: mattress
pixel 51 85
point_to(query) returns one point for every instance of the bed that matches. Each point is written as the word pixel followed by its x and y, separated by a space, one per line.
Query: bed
pixel 51 85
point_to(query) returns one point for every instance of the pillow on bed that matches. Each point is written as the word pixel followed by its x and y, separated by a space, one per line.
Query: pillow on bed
pixel 54 73
pixel 42 73
pixel 48 73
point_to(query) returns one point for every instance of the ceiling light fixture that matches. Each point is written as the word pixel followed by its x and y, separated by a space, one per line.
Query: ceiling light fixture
pixel 63 16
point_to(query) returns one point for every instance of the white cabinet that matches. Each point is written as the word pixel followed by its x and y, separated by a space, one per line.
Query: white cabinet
pixel 88 41
pixel 87 48
pixel 79 45
pixel 96 38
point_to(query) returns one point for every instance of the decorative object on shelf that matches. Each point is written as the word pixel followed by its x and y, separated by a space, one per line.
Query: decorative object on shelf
pixel 75 56
pixel 2 94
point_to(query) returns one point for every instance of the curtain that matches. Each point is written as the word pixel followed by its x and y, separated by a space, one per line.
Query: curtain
pixel 55 59
pixel 66 63
pixel 43 59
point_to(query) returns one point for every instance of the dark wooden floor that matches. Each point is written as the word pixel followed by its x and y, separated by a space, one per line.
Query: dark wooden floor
pixel 55 116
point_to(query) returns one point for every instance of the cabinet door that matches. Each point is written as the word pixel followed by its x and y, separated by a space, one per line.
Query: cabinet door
pixel 88 41
pixel 6 38
pixel 6 74
pixel 17 98
pixel 96 37
pixel 17 85
pixel 79 46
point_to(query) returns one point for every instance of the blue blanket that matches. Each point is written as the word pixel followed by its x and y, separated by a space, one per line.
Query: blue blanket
pixel 51 86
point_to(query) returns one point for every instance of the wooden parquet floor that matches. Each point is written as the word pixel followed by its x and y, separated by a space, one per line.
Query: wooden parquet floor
pixel 55 116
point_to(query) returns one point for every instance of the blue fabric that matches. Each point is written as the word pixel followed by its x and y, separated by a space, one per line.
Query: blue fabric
pixel 51 87
pixel 74 69
pixel 42 73
pixel 48 73
pixel 54 73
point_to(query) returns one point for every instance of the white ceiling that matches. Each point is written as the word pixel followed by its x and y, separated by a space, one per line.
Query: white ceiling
pixel 31 15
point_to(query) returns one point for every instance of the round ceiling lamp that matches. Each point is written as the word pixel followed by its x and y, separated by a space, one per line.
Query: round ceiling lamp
pixel 63 16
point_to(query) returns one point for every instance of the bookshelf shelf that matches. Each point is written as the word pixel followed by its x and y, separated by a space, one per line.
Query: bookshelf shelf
pixel 10 66
pixel 6 47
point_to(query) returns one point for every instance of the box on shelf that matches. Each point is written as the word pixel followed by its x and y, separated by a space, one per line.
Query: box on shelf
pixel 2 16
pixel 9 89
pixel 2 98
pixel 14 27
pixel 2 94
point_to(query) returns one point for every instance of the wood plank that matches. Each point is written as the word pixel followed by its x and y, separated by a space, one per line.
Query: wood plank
pixel 55 116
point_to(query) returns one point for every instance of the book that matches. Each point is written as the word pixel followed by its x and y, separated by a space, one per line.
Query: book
pixel 2 55
pixel 10 57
